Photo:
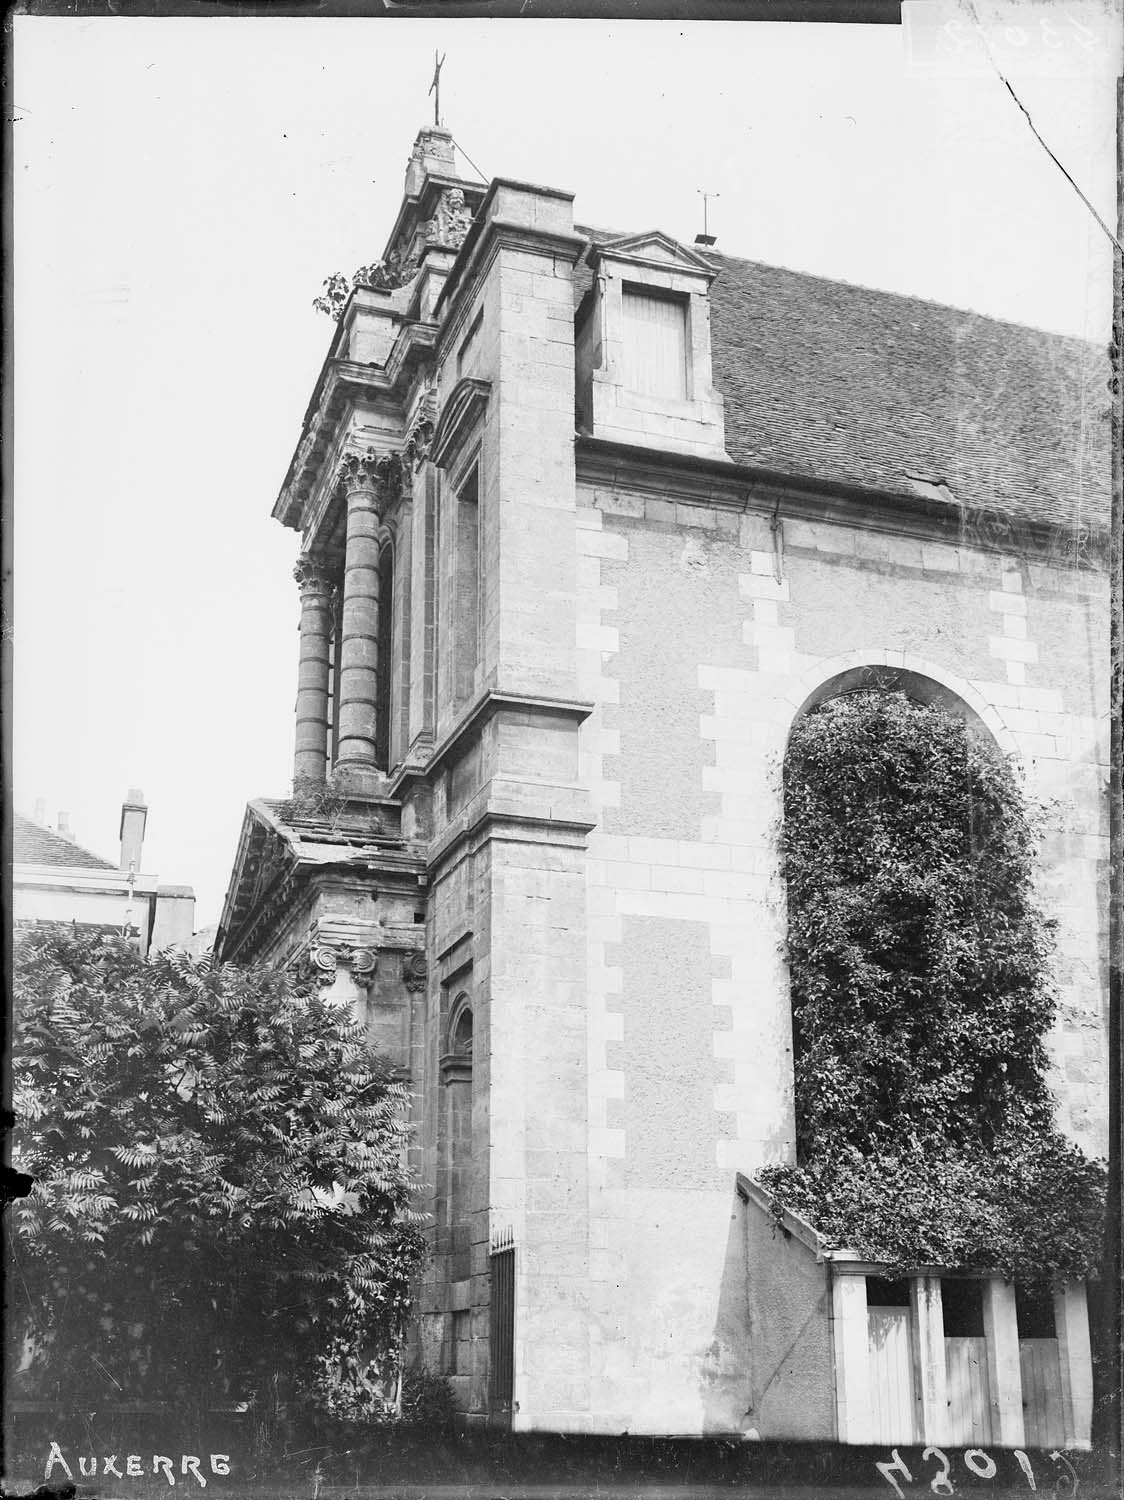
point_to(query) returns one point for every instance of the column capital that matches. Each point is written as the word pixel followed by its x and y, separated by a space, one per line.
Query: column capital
pixel 311 575
pixel 380 473
pixel 326 956
pixel 415 971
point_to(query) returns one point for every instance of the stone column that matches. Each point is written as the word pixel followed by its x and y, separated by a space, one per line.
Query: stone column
pixel 310 760
pixel 364 481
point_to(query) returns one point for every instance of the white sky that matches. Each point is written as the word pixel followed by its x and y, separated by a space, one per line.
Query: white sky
pixel 183 187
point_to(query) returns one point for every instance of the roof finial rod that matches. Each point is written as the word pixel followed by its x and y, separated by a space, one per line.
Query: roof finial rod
pixel 435 86
pixel 706 238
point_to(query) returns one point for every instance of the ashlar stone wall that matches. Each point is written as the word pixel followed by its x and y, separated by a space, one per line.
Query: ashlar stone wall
pixel 702 631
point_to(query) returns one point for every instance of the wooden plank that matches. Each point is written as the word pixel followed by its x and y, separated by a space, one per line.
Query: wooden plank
pixel 1042 1393
pixel 969 1395
pixel 1071 1318
pixel 892 1393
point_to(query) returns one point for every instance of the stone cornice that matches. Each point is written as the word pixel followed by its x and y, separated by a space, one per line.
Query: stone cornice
pixel 528 828
pixel 424 761
pixel 461 414
pixel 493 702
pixel 276 862
pixel 742 487
pixel 341 386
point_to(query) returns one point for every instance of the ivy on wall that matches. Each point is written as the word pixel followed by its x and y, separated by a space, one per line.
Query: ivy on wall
pixel 921 997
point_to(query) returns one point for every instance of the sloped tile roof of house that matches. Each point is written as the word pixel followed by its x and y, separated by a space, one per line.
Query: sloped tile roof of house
pixel 833 381
pixel 32 844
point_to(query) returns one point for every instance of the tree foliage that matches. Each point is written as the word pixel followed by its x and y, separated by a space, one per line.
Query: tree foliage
pixel 921 997
pixel 221 1205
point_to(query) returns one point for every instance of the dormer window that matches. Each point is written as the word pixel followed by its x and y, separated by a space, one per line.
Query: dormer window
pixel 642 348
pixel 655 342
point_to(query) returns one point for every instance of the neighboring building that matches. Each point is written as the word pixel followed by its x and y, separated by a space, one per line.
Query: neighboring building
pixel 55 880
pixel 587 521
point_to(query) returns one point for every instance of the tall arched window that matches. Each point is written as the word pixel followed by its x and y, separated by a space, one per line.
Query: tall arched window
pixel 912 920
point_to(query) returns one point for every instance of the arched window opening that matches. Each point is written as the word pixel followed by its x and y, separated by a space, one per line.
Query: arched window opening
pixel 456 1068
pixel 462 1036
pixel 915 686
pixel 922 994
pixel 911 917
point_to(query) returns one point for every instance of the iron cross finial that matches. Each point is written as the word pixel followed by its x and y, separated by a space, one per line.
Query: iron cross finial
pixel 435 86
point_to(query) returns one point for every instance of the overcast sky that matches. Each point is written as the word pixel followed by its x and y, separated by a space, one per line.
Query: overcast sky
pixel 183 187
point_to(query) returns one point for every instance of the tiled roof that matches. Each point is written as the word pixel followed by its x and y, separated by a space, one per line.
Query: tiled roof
pixel 32 844
pixel 839 382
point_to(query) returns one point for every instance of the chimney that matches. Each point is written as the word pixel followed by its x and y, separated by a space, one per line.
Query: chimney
pixel 133 815
pixel 64 826
pixel 40 809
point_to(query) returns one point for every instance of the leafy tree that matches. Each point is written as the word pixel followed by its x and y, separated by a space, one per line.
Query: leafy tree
pixel 221 1205
pixel 921 997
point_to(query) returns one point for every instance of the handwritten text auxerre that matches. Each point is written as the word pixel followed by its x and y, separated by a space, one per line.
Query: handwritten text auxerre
pixel 134 1468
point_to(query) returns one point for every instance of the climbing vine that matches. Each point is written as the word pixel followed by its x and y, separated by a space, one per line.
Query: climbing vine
pixel 921 997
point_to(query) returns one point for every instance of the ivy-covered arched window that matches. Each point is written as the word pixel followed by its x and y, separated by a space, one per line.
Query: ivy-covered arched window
pixel 921 987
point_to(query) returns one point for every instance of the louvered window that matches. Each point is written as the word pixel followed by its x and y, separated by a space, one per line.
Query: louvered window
pixel 655 343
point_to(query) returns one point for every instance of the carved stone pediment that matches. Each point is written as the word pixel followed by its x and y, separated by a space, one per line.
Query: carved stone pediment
pixel 655 249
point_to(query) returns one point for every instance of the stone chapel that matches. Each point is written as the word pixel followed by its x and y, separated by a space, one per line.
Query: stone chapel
pixel 587 520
